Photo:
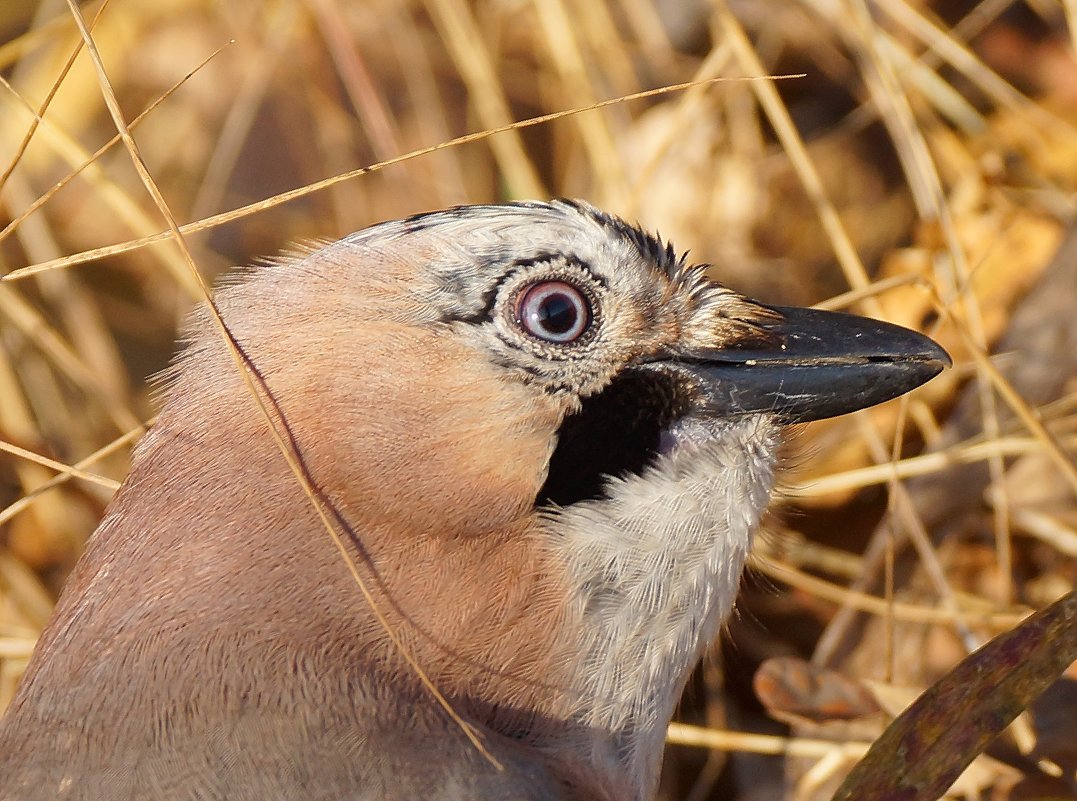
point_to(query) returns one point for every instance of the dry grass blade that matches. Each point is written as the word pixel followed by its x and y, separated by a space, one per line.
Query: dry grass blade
pixel 40 113
pixel 217 220
pixel 681 734
pixel 97 154
pixel 59 467
pixel 924 751
pixel 881 607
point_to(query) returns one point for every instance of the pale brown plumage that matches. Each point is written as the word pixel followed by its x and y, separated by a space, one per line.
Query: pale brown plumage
pixel 212 644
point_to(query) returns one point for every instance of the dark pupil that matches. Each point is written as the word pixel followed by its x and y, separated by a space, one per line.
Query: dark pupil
pixel 557 314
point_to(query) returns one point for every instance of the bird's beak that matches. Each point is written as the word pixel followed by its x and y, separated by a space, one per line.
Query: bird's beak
pixel 822 364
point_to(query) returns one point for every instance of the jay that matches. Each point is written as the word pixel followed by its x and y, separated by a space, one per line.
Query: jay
pixel 544 440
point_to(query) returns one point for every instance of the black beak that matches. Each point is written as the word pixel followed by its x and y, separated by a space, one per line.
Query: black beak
pixel 823 364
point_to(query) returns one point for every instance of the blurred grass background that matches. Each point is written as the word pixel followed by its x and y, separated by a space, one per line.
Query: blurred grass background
pixel 921 168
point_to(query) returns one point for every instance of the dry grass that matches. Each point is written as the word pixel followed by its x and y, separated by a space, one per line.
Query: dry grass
pixel 923 169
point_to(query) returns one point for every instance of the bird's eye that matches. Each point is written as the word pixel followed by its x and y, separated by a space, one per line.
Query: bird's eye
pixel 554 311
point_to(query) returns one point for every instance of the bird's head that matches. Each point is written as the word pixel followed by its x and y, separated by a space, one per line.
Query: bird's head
pixel 546 339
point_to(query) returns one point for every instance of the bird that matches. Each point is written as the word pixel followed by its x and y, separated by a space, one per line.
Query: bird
pixel 451 513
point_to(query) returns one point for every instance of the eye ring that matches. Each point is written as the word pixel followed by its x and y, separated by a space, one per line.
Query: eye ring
pixel 553 311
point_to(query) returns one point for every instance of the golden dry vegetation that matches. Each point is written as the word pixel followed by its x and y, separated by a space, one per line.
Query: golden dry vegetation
pixel 912 160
